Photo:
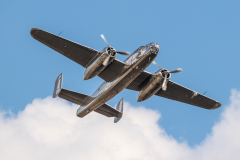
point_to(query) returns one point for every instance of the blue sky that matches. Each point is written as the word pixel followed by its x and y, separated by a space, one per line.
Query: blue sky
pixel 200 37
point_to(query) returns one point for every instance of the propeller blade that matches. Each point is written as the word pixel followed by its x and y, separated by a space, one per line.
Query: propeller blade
pixel 176 70
pixel 164 85
pixel 105 62
pixel 156 64
pixel 105 40
pixel 123 53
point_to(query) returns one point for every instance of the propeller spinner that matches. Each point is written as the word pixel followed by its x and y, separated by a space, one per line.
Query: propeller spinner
pixel 111 50
pixel 166 74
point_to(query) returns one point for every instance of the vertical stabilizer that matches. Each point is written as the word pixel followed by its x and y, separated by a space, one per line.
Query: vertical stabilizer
pixel 58 85
pixel 120 109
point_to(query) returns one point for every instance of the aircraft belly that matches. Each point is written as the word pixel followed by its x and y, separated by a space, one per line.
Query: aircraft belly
pixel 119 84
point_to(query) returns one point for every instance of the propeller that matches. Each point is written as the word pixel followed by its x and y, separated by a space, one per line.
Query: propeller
pixel 156 64
pixel 126 53
pixel 105 62
pixel 105 40
pixel 176 70
pixel 166 72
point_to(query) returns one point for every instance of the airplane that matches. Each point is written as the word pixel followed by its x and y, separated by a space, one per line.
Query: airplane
pixel 118 75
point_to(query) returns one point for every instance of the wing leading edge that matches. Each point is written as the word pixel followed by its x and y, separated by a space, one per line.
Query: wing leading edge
pixel 176 92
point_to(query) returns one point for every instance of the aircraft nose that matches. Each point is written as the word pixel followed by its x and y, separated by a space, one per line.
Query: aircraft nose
pixel 156 48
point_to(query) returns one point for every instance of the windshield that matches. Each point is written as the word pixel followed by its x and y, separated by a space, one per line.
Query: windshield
pixel 134 52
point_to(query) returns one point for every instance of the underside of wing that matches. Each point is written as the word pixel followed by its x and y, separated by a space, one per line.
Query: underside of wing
pixel 78 53
pixel 179 93
pixel 138 82
pixel 176 92
pixel 74 51
pixel 113 71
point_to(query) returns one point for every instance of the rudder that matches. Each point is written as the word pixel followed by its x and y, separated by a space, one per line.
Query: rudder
pixel 58 85
pixel 120 109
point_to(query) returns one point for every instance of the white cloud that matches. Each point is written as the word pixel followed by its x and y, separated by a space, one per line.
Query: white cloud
pixel 48 129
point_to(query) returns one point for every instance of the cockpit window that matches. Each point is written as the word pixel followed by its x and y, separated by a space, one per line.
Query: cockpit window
pixel 135 52
pixel 138 49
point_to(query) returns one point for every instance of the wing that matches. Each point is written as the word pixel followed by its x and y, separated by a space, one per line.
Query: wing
pixel 179 93
pixel 77 52
pixel 74 51
pixel 112 71
pixel 176 92
pixel 138 82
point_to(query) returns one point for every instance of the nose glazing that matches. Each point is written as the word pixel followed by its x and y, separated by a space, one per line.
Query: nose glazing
pixel 155 48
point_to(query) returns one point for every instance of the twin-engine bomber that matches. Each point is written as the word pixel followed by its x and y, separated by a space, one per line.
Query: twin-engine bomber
pixel 118 75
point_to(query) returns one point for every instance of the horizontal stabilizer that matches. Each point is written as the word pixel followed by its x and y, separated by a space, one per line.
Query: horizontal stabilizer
pixel 108 111
pixel 75 97
pixel 68 95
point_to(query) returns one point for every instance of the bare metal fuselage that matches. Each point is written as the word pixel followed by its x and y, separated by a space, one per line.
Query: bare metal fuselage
pixel 118 75
pixel 135 64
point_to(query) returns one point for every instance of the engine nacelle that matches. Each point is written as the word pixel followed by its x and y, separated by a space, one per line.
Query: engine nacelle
pixel 153 85
pixel 96 65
